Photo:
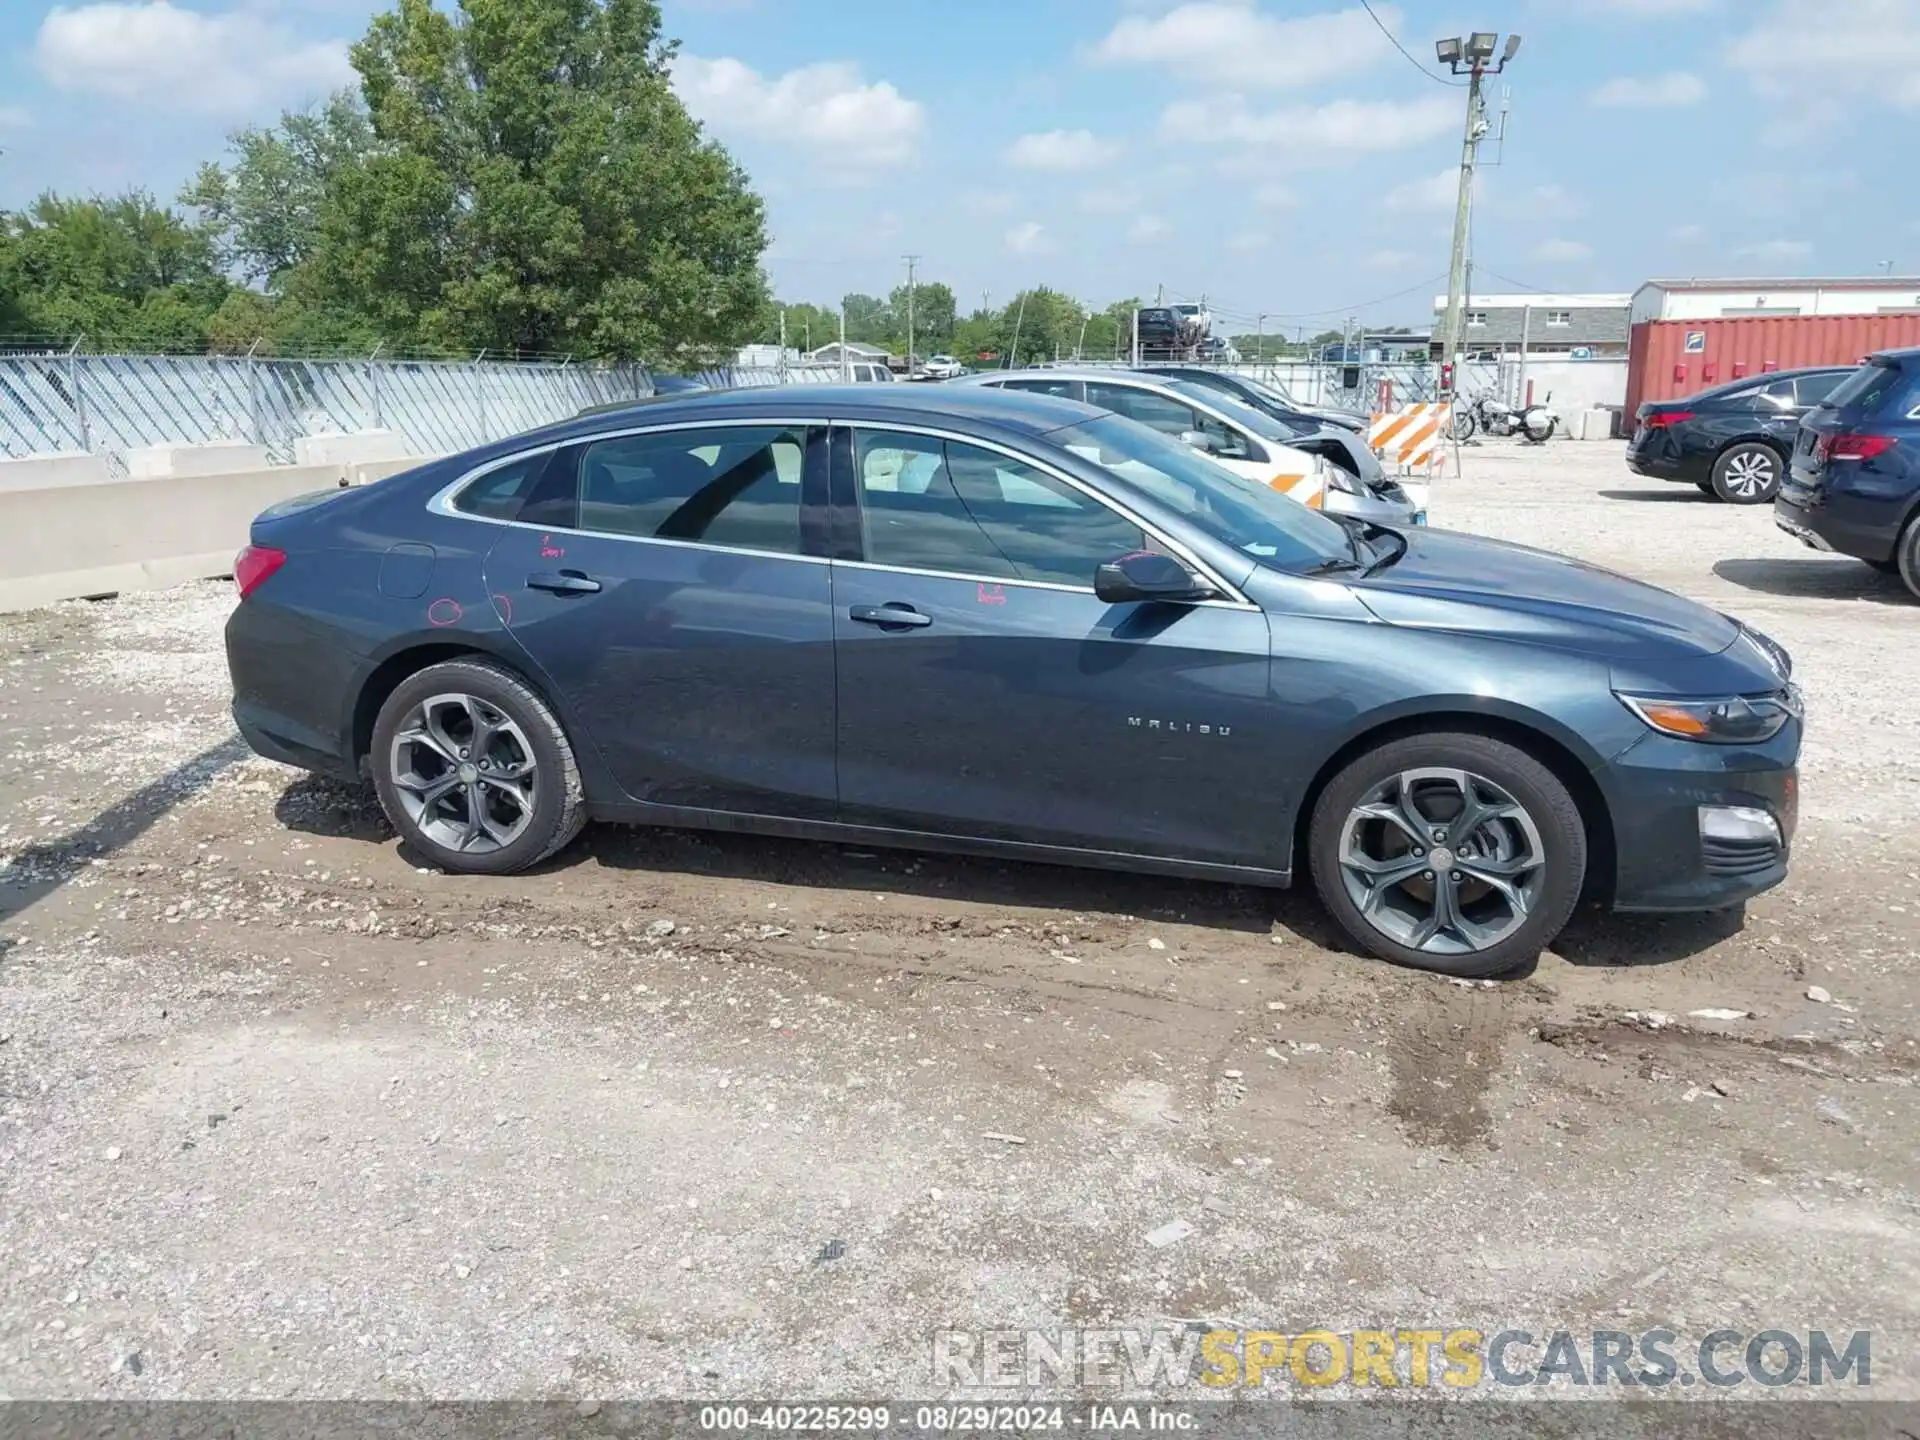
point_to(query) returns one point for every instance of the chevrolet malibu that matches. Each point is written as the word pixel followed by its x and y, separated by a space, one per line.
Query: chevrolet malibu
pixel 1013 625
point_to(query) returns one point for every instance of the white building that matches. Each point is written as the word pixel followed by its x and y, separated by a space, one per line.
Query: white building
pixel 1728 299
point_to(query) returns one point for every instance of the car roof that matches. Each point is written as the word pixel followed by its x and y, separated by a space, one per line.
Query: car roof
pixel 1899 357
pixel 1019 410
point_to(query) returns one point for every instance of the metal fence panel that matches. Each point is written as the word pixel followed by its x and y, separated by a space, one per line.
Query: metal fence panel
pixel 114 403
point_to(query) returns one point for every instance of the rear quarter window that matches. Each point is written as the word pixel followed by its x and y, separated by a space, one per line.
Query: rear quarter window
pixel 1871 389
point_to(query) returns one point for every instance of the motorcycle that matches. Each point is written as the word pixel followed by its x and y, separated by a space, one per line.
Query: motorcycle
pixel 1492 416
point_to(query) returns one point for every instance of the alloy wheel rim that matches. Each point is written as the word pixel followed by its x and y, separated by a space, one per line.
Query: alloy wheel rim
pixel 1442 861
pixel 465 773
pixel 1749 474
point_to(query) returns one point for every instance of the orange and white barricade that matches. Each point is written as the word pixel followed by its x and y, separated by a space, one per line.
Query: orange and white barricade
pixel 1412 437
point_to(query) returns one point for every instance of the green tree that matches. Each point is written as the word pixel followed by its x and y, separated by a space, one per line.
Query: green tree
pixel 1047 325
pixel 119 270
pixel 265 209
pixel 533 183
pixel 933 317
pixel 870 320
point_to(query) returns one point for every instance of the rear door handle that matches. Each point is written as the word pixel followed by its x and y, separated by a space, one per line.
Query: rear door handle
pixel 563 582
pixel 895 615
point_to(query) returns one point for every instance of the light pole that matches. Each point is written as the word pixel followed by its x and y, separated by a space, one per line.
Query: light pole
pixel 1475 56
pixel 911 260
pixel 1260 339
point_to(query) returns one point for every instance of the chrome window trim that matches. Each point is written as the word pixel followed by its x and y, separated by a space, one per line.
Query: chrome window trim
pixel 1235 597
pixel 442 504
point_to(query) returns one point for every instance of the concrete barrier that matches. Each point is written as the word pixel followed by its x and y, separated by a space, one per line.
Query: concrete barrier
pixel 365 472
pixel 62 541
pixel 33 472
pixel 220 457
pixel 350 449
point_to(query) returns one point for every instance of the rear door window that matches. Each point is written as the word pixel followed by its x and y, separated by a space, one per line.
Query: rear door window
pixel 1156 412
pixel 499 494
pixel 738 487
pixel 1810 390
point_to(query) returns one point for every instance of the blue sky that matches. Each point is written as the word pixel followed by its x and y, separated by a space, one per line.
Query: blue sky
pixel 1277 156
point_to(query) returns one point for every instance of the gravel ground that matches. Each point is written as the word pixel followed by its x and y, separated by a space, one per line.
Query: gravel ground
pixel 282 1115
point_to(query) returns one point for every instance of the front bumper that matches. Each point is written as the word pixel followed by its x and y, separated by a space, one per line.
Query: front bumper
pixel 1390 507
pixel 1657 790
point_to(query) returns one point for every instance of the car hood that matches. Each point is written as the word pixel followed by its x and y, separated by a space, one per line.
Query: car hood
pixel 1467 584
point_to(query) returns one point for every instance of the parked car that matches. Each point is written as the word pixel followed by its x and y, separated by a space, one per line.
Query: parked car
pixel 1854 482
pixel 1734 440
pixel 942 367
pixel 1270 397
pixel 869 372
pixel 1341 442
pixel 1002 623
pixel 1245 441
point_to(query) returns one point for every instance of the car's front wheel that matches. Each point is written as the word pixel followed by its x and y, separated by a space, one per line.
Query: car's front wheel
pixel 1906 554
pixel 474 770
pixel 1450 852
pixel 1747 474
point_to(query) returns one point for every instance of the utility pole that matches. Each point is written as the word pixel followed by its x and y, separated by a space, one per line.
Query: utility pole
pixel 1477 54
pixel 1019 319
pixel 911 260
pixel 844 370
pixel 1159 294
pixel 783 344
pixel 1260 339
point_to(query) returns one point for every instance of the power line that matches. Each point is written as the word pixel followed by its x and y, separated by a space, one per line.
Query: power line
pixel 1517 284
pixel 1333 310
pixel 1432 75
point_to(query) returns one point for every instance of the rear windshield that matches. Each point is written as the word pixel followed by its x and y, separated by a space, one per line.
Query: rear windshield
pixel 1867 389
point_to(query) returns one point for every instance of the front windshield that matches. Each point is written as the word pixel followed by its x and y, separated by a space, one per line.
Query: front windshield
pixel 1246 416
pixel 1259 522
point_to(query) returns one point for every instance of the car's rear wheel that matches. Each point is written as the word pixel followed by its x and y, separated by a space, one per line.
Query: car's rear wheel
pixel 1705 487
pixel 1747 474
pixel 1906 552
pixel 474 770
pixel 1450 852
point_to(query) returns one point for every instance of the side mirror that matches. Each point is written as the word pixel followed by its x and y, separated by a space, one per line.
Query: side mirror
pixel 1148 575
pixel 1198 440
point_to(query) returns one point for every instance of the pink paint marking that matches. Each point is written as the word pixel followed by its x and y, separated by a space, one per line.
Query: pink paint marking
pixel 987 594
pixel 444 611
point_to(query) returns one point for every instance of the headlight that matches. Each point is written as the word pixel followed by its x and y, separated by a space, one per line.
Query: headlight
pixel 1340 479
pixel 1730 720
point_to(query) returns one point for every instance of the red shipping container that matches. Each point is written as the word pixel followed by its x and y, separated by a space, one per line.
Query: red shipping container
pixel 1670 359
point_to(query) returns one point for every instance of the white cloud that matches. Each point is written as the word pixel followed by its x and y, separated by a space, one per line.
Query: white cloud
pixel 1439 191
pixel 1273 197
pixel 1559 249
pixel 1812 58
pixel 1242 241
pixel 1220 42
pixel 1388 259
pixel 1146 228
pixel 1651 92
pixel 1061 150
pixel 1689 232
pixel 15 117
pixel 826 109
pixel 229 63
pixel 1775 250
pixel 1307 135
pixel 1029 238
pixel 1111 200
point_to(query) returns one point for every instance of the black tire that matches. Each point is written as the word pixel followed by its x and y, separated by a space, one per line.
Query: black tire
pixel 1461 427
pixel 1886 567
pixel 1555 884
pixel 1705 487
pixel 1748 473
pixel 558 808
pixel 1906 554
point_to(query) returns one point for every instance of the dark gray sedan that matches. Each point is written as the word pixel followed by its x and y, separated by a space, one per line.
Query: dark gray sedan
pixel 1008 624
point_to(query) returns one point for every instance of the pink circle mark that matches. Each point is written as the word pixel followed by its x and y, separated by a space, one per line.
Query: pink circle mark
pixel 444 611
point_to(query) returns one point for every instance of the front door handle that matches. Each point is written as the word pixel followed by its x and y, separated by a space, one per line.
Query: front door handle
pixel 895 615
pixel 563 582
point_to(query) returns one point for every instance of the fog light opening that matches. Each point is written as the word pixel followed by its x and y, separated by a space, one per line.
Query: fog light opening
pixel 1738 822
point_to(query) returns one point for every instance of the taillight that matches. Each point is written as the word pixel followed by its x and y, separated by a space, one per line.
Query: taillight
pixel 253 565
pixel 1859 447
pixel 1660 419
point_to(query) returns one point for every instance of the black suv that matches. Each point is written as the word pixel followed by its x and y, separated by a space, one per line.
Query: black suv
pixel 1854 485
pixel 1159 331
pixel 1732 441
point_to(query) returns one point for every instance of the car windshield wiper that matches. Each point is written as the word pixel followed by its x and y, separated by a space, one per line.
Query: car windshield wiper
pixel 1394 546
